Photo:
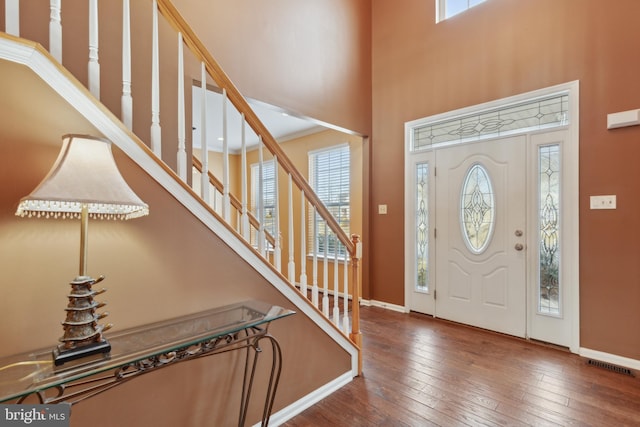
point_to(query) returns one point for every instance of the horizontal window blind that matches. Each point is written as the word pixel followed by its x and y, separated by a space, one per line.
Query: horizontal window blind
pixel 329 175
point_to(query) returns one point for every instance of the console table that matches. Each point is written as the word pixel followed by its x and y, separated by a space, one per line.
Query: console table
pixel 146 348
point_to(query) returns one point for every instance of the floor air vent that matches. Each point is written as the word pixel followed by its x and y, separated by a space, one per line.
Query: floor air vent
pixel 610 367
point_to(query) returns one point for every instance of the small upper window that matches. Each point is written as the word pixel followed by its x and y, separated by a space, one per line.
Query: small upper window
pixel 447 8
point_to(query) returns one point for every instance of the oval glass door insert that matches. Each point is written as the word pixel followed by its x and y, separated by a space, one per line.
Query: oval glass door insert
pixel 477 209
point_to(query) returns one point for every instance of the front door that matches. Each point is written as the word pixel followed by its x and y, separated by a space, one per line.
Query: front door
pixel 480 224
pixel 491 215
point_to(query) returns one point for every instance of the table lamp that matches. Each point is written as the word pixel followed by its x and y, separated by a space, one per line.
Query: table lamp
pixel 83 183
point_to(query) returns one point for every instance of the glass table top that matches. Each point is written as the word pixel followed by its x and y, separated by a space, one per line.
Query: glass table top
pixel 29 372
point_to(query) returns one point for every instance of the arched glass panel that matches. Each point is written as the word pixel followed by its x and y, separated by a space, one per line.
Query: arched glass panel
pixel 477 209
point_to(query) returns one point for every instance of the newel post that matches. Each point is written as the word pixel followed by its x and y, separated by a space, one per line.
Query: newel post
pixel 356 335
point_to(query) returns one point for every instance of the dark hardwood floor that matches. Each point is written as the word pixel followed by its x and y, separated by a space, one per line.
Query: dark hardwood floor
pixel 424 372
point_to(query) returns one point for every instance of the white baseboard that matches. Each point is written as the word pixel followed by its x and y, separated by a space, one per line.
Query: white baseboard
pixel 309 400
pixel 385 305
pixel 610 358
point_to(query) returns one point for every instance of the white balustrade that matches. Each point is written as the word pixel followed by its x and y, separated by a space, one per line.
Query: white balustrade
pixel 277 250
pixel 303 245
pixel 93 66
pixel 156 132
pixel 291 267
pixel 325 274
pixel 336 288
pixel 345 298
pixel 314 288
pixel 126 103
pixel 55 29
pixel 204 149
pixel 226 201
pixel 244 219
pixel 12 17
pixel 261 235
pixel 181 160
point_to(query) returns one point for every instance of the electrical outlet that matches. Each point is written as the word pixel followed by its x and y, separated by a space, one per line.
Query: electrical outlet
pixel 602 202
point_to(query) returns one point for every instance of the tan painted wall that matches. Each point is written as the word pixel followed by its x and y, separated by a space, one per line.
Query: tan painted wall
pixel 502 48
pixel 311 57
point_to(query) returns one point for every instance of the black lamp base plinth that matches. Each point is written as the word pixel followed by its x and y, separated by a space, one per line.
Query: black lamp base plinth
pixel 61 356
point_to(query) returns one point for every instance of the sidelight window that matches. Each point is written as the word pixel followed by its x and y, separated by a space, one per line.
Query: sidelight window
pixel 422 227
pixel 549 228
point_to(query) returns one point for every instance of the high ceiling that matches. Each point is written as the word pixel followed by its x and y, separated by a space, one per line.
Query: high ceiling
pixel 281 125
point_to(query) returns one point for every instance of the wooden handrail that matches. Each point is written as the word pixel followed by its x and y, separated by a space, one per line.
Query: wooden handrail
pixel 175 19
pixel 237 204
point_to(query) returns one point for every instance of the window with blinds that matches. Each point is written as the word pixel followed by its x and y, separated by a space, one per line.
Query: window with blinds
pixel 329 175
pixel 268 196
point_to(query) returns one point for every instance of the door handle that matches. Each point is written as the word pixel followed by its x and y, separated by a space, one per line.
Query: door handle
pixel 519 246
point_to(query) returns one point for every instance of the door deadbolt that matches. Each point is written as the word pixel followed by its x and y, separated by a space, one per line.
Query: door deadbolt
pixel 518 233
pixel 519 246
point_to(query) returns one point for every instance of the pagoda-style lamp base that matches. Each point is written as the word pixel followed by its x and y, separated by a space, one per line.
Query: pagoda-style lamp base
pixel 61 356
pixel 82 333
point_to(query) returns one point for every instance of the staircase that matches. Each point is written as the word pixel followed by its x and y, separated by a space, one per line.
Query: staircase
pixel 164 151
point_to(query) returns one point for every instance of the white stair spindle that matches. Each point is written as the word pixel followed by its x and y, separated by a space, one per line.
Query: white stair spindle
pixel 156 132
pixel 226 200
pixel 246 231
pixel 345 321
pixel 12 17
pixel 94 65
pixel 291 269
pixel 314 289
pixel 277 251
pixel 336 288
pixel 325 273
pixel 55 30
pixel 303 246
pixel 182 135
pixel 126 102
pixel 204 149
pixel 261 234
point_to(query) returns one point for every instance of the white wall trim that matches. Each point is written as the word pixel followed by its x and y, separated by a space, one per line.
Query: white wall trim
pixel 385 305
pixel 40 62
pixel 610 358
pixel 309 400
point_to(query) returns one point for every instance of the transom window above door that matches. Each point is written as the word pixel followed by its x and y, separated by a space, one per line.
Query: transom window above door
pixel 447 8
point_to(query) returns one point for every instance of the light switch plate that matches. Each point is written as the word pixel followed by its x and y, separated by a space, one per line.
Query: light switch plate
pixel 603 202
pixel 382 209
